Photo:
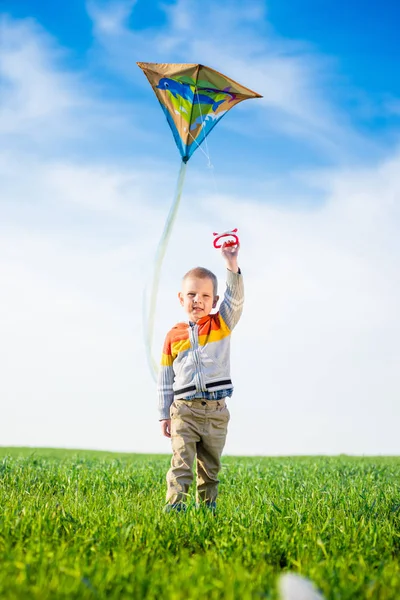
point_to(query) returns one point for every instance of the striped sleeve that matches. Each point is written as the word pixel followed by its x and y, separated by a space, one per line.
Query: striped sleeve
pixel 165 381
pixel 232 305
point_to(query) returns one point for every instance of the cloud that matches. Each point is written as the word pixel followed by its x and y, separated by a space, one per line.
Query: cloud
pixel 110 18
pixel 322 317
pixel 49 106
pixel 35 89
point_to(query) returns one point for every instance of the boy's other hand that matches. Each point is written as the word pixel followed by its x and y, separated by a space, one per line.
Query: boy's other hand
pixel 230 254
pixel 166 427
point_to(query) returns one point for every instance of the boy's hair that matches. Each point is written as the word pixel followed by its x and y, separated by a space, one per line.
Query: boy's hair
pixel 203 273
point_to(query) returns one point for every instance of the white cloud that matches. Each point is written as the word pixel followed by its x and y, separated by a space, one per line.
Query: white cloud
pixel 48 107
pixel 110 18
pixel 34 90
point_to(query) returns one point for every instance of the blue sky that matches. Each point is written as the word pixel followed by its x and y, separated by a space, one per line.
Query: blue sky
pixel 362 39
pixel 310 175
pixel 352 52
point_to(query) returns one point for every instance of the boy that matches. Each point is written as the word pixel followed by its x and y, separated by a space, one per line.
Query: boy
pixel 194 381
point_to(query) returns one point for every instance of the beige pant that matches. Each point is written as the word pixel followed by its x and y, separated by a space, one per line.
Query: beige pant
pixel 198 429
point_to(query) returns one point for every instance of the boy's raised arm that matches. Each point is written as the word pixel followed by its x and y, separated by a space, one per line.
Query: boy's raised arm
pixel 232 305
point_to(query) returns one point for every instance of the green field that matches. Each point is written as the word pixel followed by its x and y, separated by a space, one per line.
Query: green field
pixel 77 524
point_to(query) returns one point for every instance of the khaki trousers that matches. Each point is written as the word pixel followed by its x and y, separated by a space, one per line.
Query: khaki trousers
pixel 198 430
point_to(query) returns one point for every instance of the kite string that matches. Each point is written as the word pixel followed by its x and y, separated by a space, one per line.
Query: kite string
pixel 149 315
pixel 201 148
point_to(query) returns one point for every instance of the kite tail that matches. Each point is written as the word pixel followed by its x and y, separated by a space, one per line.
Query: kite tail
pixel 149 312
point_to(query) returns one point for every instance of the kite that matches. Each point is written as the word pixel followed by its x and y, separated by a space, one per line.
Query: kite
pixel 194 99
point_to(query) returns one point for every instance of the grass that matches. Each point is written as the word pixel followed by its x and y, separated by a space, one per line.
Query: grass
pixel 90 525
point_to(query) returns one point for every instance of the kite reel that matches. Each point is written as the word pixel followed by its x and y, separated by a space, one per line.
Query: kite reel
pixel 233 239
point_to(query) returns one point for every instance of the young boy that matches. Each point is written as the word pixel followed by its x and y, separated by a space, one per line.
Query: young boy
pixel 194 381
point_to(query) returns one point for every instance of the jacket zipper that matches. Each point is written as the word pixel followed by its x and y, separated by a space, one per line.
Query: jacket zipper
pixel 199 379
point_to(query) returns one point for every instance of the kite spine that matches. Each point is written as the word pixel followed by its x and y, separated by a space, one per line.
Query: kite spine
pixel 149 315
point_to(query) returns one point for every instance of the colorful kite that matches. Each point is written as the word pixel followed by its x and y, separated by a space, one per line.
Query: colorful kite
pixel 194 98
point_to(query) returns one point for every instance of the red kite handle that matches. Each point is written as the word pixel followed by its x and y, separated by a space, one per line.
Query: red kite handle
pixel 234 241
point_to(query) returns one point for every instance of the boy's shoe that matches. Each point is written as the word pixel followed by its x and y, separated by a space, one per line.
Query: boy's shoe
pixel 212 506
pixel 175 507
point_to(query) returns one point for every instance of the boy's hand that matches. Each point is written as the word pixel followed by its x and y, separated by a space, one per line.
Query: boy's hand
pixel 230 254
pixel 166 427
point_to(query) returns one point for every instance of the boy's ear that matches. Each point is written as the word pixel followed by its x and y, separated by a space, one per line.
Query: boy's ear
pixel 180 296
pixel 215 302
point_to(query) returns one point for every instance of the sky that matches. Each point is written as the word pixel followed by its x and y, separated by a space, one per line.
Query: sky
pixel 309 174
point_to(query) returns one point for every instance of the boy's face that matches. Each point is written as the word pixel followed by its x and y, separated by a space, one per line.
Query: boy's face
pixel 197 297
